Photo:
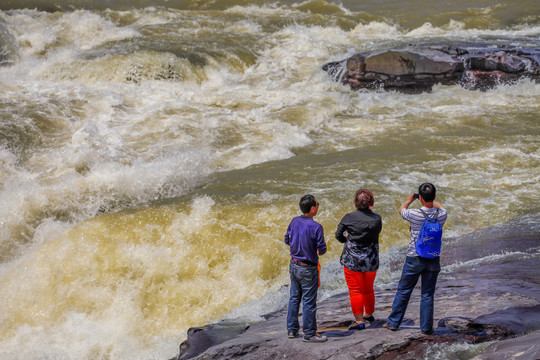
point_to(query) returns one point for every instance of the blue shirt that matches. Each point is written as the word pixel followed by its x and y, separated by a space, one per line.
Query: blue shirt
pixel 305 236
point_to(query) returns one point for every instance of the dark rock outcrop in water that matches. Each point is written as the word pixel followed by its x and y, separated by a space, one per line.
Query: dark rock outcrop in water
pixel 489 290
pixel 416 68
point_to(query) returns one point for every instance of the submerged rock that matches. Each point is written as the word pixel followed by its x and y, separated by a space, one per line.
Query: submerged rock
pixel 416 68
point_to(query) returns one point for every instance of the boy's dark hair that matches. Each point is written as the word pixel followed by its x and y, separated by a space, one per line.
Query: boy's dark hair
pixel 427 191
pixel 306 202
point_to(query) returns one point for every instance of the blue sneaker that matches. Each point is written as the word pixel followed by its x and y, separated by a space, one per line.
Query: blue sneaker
pixel 360 326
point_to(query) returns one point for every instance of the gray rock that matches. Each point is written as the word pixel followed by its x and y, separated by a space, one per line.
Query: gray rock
pixel 522 348
pixel 202 338
pixel 416 68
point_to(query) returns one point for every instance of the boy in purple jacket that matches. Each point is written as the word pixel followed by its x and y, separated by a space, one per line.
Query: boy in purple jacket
pixel 305 237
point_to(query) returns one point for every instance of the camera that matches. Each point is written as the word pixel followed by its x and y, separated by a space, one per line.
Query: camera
pixel 415 196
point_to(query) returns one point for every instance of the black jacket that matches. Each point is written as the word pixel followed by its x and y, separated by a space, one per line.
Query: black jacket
pixel 359 231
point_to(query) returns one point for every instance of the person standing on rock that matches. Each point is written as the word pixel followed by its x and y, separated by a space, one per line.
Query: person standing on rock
pixel 359 231
pixel 416 266
pixel 305 238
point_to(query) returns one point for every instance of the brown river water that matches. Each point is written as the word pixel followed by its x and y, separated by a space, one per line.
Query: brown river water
pixel 152 154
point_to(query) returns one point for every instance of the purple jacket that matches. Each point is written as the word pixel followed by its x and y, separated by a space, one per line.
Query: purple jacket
pixel 305 236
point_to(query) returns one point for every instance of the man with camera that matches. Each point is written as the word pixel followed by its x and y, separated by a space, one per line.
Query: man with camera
pixel 415 265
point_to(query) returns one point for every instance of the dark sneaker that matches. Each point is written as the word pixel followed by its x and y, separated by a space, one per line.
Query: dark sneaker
pixel 360 326
pixel 292 334
pixel 317 338
pixel 369 318
pixel 389 327
pixel 428 332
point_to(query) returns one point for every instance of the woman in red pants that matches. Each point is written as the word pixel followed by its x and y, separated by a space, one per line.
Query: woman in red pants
pixel 359 231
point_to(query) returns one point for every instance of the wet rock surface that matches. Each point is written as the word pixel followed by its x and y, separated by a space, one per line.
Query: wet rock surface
pixel 489 290
pixel 416 68
pixel 519 348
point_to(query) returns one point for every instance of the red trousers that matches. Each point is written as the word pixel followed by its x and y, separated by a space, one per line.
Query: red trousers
pixel 361 291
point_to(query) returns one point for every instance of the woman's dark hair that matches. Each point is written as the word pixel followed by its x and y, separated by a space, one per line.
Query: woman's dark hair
pixel 427 191
pixel 307 202
pixel 363 199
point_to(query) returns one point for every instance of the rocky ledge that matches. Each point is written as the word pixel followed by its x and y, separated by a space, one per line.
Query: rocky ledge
pixel 488 293
pixel 416 68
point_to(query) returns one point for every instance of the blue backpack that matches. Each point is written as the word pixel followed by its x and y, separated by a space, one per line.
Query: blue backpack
pixel 429 240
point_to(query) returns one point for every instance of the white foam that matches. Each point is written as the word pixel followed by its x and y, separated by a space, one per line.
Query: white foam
pixel 80 29
pixel 446 351
pixel 510 256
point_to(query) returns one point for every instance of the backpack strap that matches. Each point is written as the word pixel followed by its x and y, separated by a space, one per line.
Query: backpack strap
pixel 434 217
pixel 427 217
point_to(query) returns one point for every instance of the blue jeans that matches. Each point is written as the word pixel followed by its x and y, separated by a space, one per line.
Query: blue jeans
pixel 304 284
pixel 413 268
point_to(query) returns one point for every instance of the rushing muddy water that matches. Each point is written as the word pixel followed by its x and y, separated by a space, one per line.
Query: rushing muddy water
pixel 152 154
